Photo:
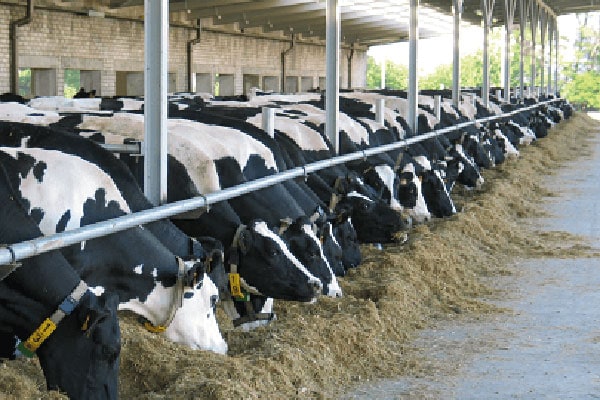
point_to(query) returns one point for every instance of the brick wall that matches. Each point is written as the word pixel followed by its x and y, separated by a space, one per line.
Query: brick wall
pixel 67 41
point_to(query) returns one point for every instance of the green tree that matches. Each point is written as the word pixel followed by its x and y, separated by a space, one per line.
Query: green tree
pixel 583 89
pixel 396 76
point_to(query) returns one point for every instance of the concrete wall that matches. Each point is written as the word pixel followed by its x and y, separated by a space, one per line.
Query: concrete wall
pixel 59 41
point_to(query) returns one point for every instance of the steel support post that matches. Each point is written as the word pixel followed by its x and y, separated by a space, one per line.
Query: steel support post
pixel 487 7
pixel 551 22
pixel 156 50
pixel 534 14
pixel 543 26
pixel 332 80
pixel 458 6
pixel 523 9
pixel 413 82
pixel 556 39
pixel 509 8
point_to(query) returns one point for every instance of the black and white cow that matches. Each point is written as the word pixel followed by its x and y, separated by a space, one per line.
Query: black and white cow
pixel 64 192
pixel 81 357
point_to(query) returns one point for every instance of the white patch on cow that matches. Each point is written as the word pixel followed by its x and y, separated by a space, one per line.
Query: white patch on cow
pixel 419 213
pixel 194 144
pixel 68 182
pixel 262 229
pixel 305 137
pixel 82 245
pixel 17 112
pixel 331 234
pixel 333 287
pixel 423 162
pixel 509 149
pixel 528 135
pixel 195 324
pixel 131 104
pixel 467 109
pixel 97 290
pixel 387 176
pixel 62 104
pixel 360 196
pixel 138 269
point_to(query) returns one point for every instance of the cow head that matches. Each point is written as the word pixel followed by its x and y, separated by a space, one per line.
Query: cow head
pixel 374 220
pixel 194 323
pixel 87 342
pixel 267 267
pixel 410 193
pixel 303 242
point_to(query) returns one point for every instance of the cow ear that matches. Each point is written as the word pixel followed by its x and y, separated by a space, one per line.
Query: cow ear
pixel 245 241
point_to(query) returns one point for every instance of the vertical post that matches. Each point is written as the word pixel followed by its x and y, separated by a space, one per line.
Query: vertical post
pixel 458 5
pixel 543 26
pixel 268 121
pixel 556 39
pixel 437 106
pixel 550 36
pixel 523 9
pixel 534 7
pixel 487 7
pixel 380 111
pixel 156 49
pixel 332 79
pixel 509 7
pixel 413 83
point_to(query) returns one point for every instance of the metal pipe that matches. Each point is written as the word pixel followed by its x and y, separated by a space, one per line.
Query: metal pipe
pixel 523 25
pixel 15 252
pixel 350 58
pixel 437 106
pixel 380 111
pixel 283 66
pixel 14 48
pixel 128 148
pixel 534 23
pixel 458 6
pixel 550 36
pixel 156 51
pixel 556 38
pixel 191 81
pixel 268 121
pixel 332 74
pixel 413 80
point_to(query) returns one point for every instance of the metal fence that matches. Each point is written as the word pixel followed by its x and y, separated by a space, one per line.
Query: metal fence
pixel 13 253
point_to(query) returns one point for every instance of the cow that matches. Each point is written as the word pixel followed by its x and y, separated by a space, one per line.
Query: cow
pixel 204 155
pixel 221 222
pixel 148 279
pixel 43 287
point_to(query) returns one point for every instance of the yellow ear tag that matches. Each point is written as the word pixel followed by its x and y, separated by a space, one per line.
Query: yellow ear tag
pixel 154 328
pixel 235 286
pixel 40 335
pixel 86 323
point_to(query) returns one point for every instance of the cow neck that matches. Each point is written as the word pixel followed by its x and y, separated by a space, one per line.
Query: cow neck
pixel 176 301
pixel 238 287
pixel 48 326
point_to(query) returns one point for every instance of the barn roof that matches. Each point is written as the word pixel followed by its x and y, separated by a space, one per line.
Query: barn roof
pixel 365 22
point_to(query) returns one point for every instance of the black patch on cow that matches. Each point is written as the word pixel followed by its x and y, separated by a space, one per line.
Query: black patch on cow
pixel 97 209
pixel 63 221
pixel 188 295
pixel 256 167
pixel 38 171
pixel 37 214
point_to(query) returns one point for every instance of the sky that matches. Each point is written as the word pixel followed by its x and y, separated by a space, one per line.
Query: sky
pixel 438 51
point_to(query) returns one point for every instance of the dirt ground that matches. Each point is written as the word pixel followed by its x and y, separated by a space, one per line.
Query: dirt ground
pixel 319 351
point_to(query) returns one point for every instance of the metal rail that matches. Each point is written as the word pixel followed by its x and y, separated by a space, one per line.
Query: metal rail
pixel 12 253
